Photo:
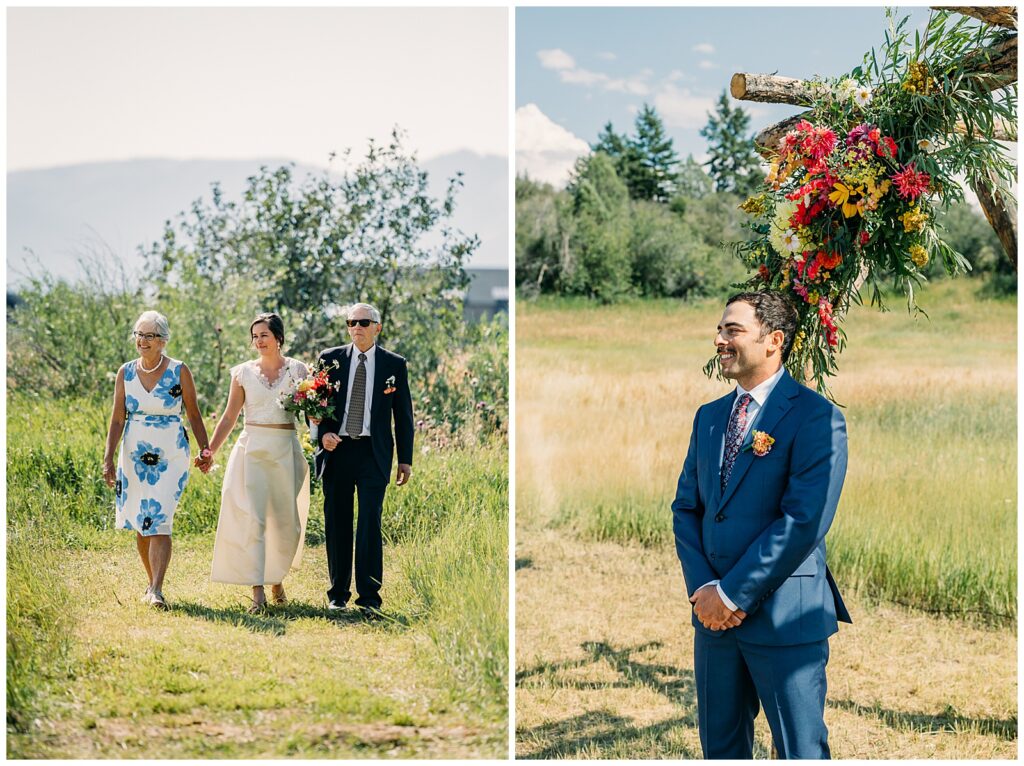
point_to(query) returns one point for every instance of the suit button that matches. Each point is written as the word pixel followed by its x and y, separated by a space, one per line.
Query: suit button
pixel 712 556
pixel 719 517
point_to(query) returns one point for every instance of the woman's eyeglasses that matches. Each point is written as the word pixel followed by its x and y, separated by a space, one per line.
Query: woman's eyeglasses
pixel 147 336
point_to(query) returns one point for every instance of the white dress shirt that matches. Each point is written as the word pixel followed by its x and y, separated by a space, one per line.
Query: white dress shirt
pixel 758 395
pixel 353 365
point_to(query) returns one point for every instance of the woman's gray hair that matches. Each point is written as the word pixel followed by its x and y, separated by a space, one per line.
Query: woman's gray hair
pixel 374 314
pixel 156 319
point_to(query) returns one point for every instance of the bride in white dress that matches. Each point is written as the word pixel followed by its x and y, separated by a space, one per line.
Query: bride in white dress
pixel 265 494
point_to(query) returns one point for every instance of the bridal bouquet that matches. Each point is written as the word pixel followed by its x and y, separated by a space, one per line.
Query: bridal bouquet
pixel 313 396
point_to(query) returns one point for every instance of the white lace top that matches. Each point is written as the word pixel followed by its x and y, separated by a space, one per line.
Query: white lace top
pixel 262 398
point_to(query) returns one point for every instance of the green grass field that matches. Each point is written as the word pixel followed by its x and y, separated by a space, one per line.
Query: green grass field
pixel 928 513
pixel 91 672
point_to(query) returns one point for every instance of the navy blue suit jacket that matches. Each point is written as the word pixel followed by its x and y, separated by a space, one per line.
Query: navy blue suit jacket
pixel 395 404
pixel 763 537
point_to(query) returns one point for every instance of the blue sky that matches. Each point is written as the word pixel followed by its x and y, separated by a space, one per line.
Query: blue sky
pixel 582 67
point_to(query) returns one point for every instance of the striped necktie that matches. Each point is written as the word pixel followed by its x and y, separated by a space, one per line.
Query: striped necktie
pixel 734 437
pixel 357 401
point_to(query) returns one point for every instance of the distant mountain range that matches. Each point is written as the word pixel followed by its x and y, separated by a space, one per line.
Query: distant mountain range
pixel 65 212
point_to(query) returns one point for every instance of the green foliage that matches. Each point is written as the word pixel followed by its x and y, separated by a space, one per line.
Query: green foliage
pixel 646 162
pixel 734 165
pixel 598 259
pixel 301 248
pixel 466 396
pixel 375 236
pixel 968 232
pixel 58 331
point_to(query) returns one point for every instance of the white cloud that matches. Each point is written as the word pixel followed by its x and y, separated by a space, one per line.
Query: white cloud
pixel 545 151
pixel 556 58
pixel 681 109
pixel 706 48
pixel 581 76
pixel 607 56
pixel 632 108
pixel 705 64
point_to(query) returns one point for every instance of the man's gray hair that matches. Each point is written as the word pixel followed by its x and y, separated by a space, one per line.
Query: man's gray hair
pixel 156 319
pixel 374 314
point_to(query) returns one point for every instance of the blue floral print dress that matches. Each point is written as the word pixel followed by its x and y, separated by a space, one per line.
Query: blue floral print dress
pixel 152 467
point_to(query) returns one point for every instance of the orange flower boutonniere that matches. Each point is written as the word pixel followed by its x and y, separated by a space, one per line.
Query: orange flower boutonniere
pixel 762 443
pixel 389 385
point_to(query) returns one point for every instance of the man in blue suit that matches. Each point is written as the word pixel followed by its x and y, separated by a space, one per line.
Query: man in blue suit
pixel 758 491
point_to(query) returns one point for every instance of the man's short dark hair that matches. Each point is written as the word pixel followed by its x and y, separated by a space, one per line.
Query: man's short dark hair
pixel 774 311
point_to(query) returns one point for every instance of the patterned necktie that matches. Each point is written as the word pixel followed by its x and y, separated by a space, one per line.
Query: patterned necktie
pixel 357 402
pixel 734 437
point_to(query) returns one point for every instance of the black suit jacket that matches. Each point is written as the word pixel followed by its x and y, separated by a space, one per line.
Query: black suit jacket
pixel 383 407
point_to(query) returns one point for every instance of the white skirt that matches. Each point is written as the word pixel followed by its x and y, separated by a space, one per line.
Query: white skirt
pixel 264 505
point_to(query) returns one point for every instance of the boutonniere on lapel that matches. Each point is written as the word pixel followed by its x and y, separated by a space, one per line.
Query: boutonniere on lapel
pixel 761 444
pixel 389 385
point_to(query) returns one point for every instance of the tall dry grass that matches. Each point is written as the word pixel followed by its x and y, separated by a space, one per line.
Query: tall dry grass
pixel 606 397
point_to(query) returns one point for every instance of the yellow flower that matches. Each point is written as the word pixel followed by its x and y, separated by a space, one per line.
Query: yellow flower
pixel 305 385
pixel 914 220
pixel 754 205
pixel 841 196
pixel 919 256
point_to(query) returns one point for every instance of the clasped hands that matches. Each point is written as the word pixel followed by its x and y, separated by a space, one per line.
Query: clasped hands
pixel 204 462
pixel 712 611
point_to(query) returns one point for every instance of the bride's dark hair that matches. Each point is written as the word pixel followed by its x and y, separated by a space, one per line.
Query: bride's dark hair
pixel 273 322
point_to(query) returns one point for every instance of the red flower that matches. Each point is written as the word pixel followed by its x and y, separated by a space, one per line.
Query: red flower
pixel 909 183
pixel 875 134
pixel 762 271
pixel 887 148
pixel 818 143
pixel 864 237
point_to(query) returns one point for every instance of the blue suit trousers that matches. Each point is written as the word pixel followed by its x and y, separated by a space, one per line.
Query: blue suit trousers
pixel 734 678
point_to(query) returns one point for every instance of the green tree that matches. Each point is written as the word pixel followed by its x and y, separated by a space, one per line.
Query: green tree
pixel 308 248
pixel 693 181
pixel 652 168
pixel 734 165
pixel 596 262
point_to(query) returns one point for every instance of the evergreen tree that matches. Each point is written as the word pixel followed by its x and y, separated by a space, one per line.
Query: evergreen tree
pixel 734 165
pixel 652 167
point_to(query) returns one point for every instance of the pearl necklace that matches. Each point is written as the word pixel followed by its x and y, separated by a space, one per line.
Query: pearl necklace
pixel 154 368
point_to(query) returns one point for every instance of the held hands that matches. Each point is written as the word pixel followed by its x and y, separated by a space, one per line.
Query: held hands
pixel 712 612
pixel 204 462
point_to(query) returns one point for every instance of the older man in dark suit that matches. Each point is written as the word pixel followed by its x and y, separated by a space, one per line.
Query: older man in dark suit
pixel 355 450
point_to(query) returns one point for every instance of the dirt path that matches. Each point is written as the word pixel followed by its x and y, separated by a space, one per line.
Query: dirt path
pixel 604 666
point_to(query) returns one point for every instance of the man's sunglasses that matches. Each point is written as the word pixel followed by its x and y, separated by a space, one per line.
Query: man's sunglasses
pixel 360 322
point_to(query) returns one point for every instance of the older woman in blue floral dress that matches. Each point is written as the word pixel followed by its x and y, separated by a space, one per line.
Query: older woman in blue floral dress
pixel 153 462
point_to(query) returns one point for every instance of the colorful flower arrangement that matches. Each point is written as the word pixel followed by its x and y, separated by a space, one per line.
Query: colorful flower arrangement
pixel 843 198
pixel 852 192
pixel 313 396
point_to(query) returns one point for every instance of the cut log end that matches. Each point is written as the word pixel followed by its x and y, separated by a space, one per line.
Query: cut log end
pixel 738 86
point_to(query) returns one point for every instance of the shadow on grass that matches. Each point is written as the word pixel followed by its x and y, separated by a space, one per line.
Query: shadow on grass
pixel 523 563
pixel 607 733
pixel 951 722
pixel 275 619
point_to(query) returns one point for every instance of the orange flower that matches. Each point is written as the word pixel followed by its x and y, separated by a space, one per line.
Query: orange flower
pixel 762 443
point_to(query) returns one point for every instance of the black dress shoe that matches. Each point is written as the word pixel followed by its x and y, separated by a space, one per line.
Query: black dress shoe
pixel 371 613
pixel 334 606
